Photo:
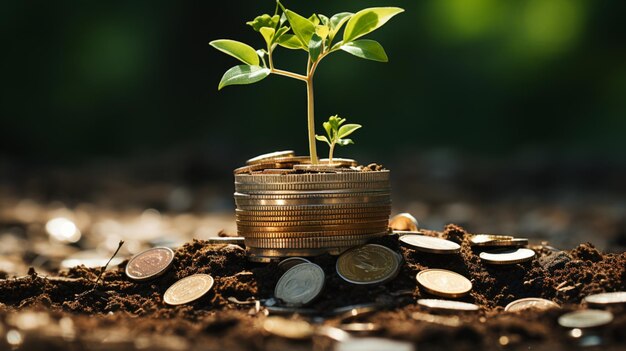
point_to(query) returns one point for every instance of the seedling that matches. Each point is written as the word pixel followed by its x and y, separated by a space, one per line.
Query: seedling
pixel 336 134
pixel 316 35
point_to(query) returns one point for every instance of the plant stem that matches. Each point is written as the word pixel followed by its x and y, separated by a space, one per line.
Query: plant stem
pixel 280 72
pixel 330 153
pixel 311 119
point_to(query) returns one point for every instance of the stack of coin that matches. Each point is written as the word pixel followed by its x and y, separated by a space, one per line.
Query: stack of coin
pixel 309 213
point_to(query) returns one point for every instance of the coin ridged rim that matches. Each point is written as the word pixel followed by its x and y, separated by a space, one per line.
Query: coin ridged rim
pixel 547 304
pixel 341 161
pixel 491 257
pixel 313 208
pixel 272 244
pixel 308 233
pixel 158 273
pixel 296 222
pixel 261 254
pixel 453 247
pixel 262 167
pixel 570 320
pixel 515 242
pixel 448 305
pixel 338 212
pixel 391 272
pixel 485 239
pixel 316 239
pixel 294 272
pixel 313 177
pixel 167 298
pixel 459 292
pixel 270 156
pixel 310 193
pixel 354 186
pixel 300 195
pixel 337 219
pixel 607 298
pixel 303 227
pixel 306 202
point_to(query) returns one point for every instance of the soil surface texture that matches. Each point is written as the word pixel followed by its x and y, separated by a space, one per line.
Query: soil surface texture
pixel 70 312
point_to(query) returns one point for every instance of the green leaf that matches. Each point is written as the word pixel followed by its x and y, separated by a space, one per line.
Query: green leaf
pixel 302 27
pixel 367 49
pixel 268 35
pixel 314 19
pixel 322 138
pixel 337 21
pixel 347 129
pixel 328 129
pixel 264 21
pixel 325 21
pixel 242 52
pixel 279 33
pixel 315 47
pixel 290 41
pixel 367 21
pixel 344 142
pixel 243 74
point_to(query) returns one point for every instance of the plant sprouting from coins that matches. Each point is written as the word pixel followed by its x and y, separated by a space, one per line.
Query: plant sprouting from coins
pixel 317 35
pixel 336 133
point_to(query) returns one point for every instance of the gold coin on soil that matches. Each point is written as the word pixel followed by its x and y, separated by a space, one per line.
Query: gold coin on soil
pixel 270 156
pixel 507 256
pixel 430 244
pixel 188 289
pixel 150 263
pixel 288 328
pixel 531 303
pixel 447 305
pixel 610 298
pixel 404 221
pixel 444 283
pixel 300 284
pixel 585 319
pixel 368 264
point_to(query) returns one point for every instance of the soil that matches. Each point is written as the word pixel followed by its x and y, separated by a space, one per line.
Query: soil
pixel 124 315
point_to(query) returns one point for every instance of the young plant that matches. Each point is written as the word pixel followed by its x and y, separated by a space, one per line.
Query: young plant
pixel 336 134
pixel 317 35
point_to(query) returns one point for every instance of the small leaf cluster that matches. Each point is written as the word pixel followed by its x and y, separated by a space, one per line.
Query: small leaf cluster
pixel 336 133
pixel 317 35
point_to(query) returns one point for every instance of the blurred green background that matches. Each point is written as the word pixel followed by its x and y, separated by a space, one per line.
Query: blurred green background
pixel 82 80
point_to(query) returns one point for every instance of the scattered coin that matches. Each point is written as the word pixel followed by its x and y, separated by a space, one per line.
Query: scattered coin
pixel 360 327
pixel 343 162
pixel 290 262
pixel 447 305
pixel 585 319
pixel 610 298
pixel 507 256
pixel 288 328
pixel 404 221
pixel 150 263
pixel 188 289
pixel 531 303
pixel 324 167
pixel 233 240
pixel 368 264
pixel 270 156
pixel 488 239
pixel 430 244
pixel 301 284
pixel 443 283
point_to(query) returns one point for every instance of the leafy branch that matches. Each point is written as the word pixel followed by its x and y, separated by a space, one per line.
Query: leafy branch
pixel 316 35
pixel 336 134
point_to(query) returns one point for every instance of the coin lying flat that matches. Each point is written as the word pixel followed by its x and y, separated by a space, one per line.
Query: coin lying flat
pixel 443 283
pixel 300 284
pixel 404 221
pixel 447 305
pixel 344 162
pixel 610 298
pixel 585 319
pixel 288 328
pixel 270 156
pixel 188 289
pixel 368 264
pixel 507 256
pixel 488 239
pixel 430 244
pixel 530 303
pixel 150 263
pixel 290 262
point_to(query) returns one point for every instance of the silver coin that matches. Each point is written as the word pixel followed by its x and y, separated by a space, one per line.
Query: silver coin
pixel 188 289
pixel 530 302
pixel 585 319
pixel 301 284
pixel 430 244
pixel 507 256
pixel 447 305
pixel 609 298
pixel 373 344
pixel 290 262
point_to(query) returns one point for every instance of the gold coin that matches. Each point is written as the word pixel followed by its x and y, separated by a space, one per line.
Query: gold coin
pixel 304 195
pixel 444 283
pixel 288 328
pixel 404 221
pixel 252 202
pixel 488 239
pixel 150 263
pixel 319 212
pixel 258 254
pixel 270 156
pixel 188 289
pixel 250 227
pixel 300 285
pixel 328 218
pixel 313 177
pixel 609 298
pixel 447 305
pixel 530 302
pixel 271 194
pixel 323 235
pixel 345 162
pixel 430 244
pixel 507 256
pixel 317 186
pixel 368 264
pixel 324 168
pixel 309 242
pixel 353 223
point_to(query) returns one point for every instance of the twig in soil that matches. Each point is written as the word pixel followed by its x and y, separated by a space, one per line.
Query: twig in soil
pixel 95 284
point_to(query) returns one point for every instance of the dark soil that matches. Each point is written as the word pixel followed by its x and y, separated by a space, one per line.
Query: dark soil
pixel 123 315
